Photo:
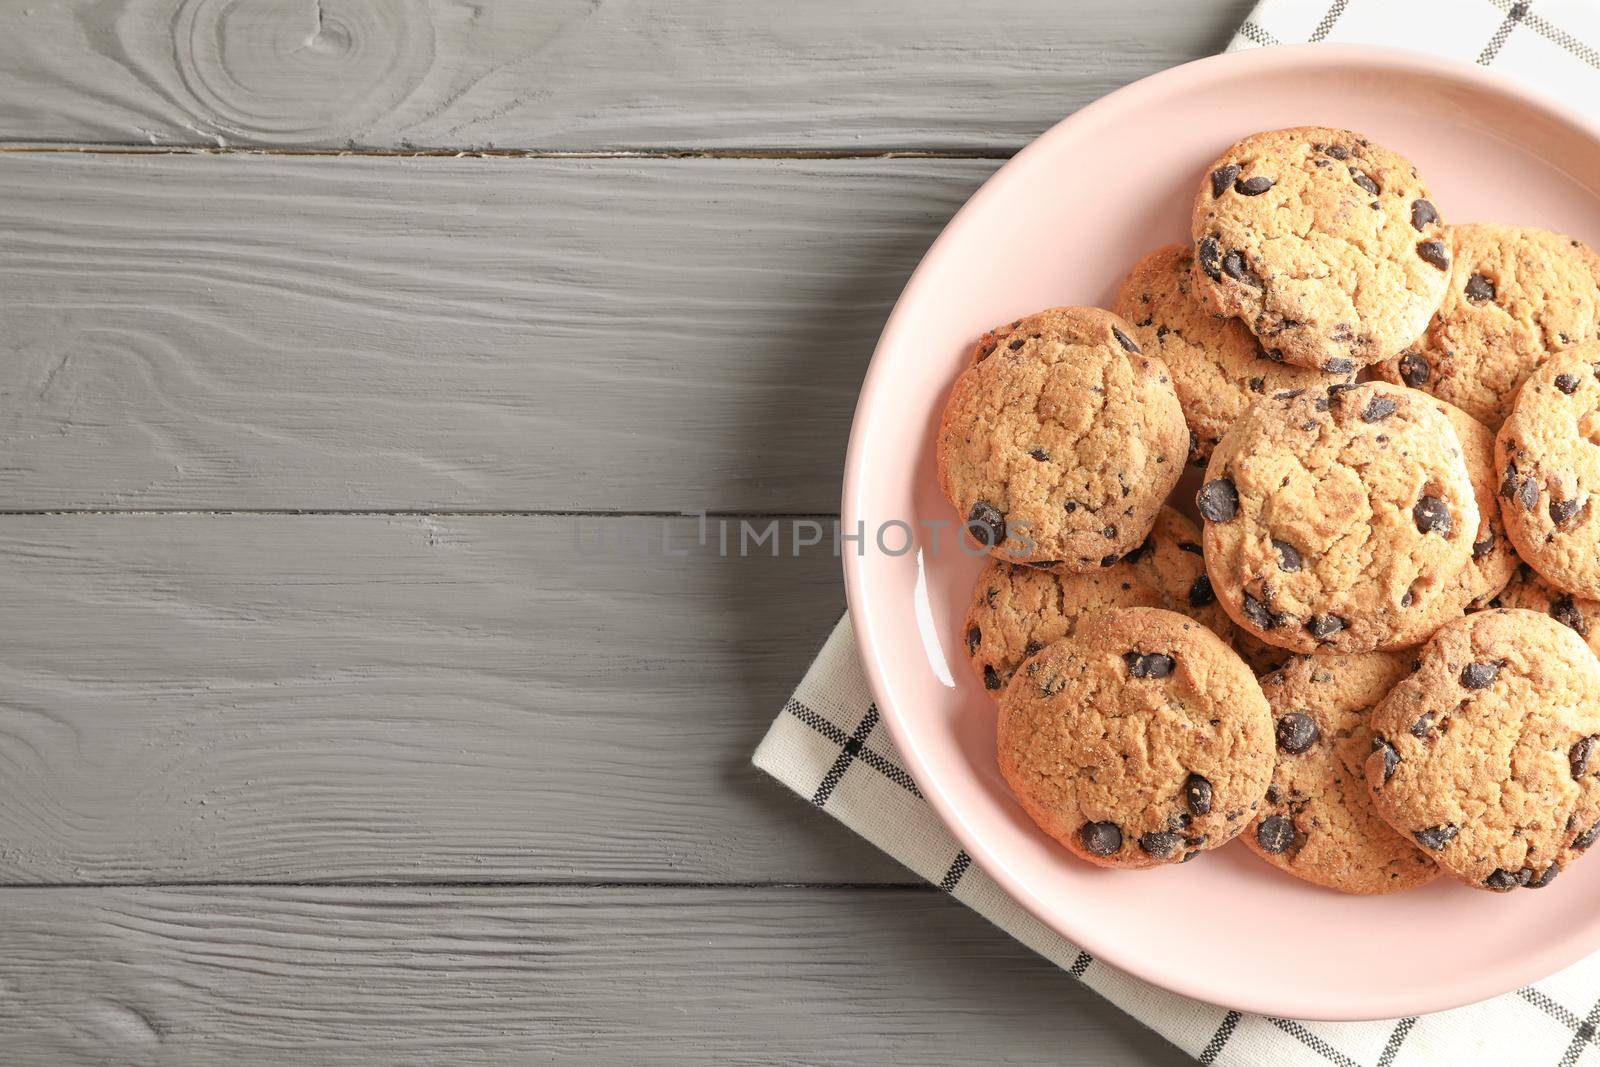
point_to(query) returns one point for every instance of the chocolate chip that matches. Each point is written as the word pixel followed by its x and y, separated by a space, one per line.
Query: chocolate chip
pixel 1422 213
pixel 1391 757
pixel 1567 383
pixel 986 523
pixel 1161 843
pixel 1218 500
pixel 1324 626
pixel 1253 186
pixel 1275 834
pixel 1288 555
pixel 1210 255
pixel 1420 728
pixel 1017 344
pixel 1436 837
pixel 1109 561
pixel 1337 151
pixel 1408 598
pixel 1516 487
pixel 1565 610
pixel 1433 252
pixel 974 639
pixel 1201 593
pixel 1432 515
pixel 1287 394
pixel 991 679
pixel 1578 755
pixel 1479 289
pixel 1501 880
pixel 1480 675
pixel 1157 665
pixel 1379 408
pixel 1484 547
pixel 1040 454
pixel 1414 370
pixel 1258 614
pixel 1546 876
pixel 1360 178
pixel 1150 665
pixel 1124 340
pixel 1257 384
pixel 1339 365
pixel 1222 177
pixel 1235 267
pixel 1587 838
pixel 1561 511
pixel 1297 732
pixel 1197 793
pixel 1101 838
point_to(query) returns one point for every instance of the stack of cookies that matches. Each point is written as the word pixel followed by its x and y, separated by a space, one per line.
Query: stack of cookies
pixel 1370 658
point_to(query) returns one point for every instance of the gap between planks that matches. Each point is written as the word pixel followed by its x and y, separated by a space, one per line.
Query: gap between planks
pixel 504 153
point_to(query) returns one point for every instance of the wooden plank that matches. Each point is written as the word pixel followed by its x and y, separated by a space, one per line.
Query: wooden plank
pixel 509 976
pixel 284 698
pixel 580 74
pixel 437 334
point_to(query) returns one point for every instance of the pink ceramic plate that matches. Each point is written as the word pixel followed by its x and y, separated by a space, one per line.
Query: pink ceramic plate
pixel 1060 224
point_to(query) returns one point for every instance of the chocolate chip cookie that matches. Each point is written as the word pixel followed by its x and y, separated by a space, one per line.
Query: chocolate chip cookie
pixel 1018 610
pixel 1319 822
pixel 1485 756
pixel 1060 443
pixel 1142 739
pixel 1325 244
pixel 1217 365
pixel 1548 459
pixel 1334 519
pixel 1493 560
pixel 1516 294
pixel 1529 591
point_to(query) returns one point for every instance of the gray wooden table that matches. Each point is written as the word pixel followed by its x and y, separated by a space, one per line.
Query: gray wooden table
pixel 336 337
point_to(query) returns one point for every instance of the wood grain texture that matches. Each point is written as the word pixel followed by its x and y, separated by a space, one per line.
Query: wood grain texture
pixel 445 334
pixel 497 976
pixel 580 74
pixel 288 698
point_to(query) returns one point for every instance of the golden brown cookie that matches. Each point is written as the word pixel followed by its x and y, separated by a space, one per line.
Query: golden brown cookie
pixel 1060 443
pixel 1017 610
pixel 1548 459
pixel 1532 593
pixel 1485 755
pixel 1217 366
pixel 1334 520
pixel 1516 294
pixel 1324 243
pixel 1140 740
pixel 1493 560
pixel 1319 822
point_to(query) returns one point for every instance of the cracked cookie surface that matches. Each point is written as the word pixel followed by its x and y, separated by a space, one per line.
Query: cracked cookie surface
pixel 1318 821
pixel 1060 442
pixel 1217 365
pixel 1517 294
pixel 1140 740
pixel 1325 244
pixel 1334 521
pixel 1018 610
pixel 1486 755
pixel 1548 460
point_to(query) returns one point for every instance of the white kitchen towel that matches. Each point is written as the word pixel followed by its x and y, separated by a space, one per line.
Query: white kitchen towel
pixel 829 746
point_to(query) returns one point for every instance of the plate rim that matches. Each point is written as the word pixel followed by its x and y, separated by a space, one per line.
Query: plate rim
pixel 1387 59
